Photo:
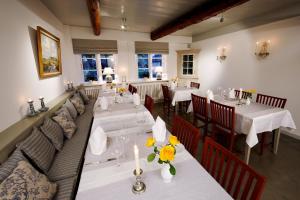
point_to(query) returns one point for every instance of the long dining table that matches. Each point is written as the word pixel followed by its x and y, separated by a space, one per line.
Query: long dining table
pixel 110 175
pixel 254 119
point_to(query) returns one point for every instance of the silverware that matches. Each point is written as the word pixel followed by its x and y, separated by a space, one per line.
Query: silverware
pixel 99 162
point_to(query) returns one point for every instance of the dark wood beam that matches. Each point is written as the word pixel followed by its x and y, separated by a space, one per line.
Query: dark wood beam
pixel 200 13
pixel 94 10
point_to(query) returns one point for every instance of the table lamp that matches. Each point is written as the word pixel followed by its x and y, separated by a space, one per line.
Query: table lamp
pixel 108 71
pixel 159 71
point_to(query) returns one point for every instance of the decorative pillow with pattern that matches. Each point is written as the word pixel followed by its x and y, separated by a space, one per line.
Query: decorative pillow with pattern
pixel 64 119
pixel 65 112
pixel 10 164
pixel 84 97
pixel 78 103
pixel 38 148
pixel 72 110
pixel 25 182
pixel 53 132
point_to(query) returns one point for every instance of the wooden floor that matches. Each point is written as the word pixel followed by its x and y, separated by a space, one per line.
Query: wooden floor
pixel 282 170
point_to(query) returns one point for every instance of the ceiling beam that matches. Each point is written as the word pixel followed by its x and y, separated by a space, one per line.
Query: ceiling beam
pixel 206 10
pixel 94 10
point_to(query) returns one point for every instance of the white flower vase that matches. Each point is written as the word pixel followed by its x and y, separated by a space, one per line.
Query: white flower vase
pixel 165 173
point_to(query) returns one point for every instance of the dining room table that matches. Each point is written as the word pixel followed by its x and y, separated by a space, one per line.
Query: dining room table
pixel 182 93
pixel 110 175
pixel 253 119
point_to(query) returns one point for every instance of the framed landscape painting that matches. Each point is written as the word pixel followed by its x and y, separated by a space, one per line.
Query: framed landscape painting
pixel 49 53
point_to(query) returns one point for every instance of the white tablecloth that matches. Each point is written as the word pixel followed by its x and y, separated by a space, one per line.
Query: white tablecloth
pixel 257 118
pixel 111 181
pixel 182 94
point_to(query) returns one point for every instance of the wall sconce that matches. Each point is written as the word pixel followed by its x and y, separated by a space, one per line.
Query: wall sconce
pixel 262 49
pixel 222 54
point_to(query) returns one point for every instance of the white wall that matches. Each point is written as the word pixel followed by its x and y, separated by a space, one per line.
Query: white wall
pixel 18 54
pixel 276 75
pixel 127 64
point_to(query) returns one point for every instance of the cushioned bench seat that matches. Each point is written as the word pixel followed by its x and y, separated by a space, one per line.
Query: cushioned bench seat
pixel 68 161
pixel 65 188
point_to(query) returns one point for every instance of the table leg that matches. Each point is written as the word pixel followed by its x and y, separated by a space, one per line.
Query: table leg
pixel 247 154
pixel 276 141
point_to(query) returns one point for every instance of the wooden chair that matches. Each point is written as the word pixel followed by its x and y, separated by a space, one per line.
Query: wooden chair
pixel 269 101
pixel 130 88
pixel 200 112
pixel 235 176
pixel 149 103
pixel 245 94
pixel 167 99
pixel 223 122
pixel 187 134
pixel 134 90
pixel 195 85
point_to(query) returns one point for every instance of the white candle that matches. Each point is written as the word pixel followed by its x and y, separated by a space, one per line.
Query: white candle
pixel 240 95
pixel 137 161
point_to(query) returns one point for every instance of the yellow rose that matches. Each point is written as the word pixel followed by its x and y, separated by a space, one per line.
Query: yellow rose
pixel 150 142
pixel 173 140
pixel 167 153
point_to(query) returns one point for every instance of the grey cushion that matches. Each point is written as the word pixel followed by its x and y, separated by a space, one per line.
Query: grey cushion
pixel 66 122
pixel 72 110
pixel 38 148
pixel 78 103
pixel 65 189
pixel 8 166
pixel 84 97
pixel 53 132
pixel 67 162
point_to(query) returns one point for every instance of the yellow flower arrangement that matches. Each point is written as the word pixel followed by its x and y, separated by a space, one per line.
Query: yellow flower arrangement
pixel 166 153
pixel 121 90
pixel 252 91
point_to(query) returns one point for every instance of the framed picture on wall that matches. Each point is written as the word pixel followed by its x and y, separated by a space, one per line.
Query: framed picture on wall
pixel 49 54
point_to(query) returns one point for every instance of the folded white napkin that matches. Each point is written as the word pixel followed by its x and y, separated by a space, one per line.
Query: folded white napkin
pixel 104 103
pixel 98 141
pixel 136 99
pixel 173 85
pixel 209 95
pixel 231 94
pixel 159 130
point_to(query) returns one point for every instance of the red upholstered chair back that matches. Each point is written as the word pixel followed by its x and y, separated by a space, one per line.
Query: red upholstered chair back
pixel 134 90
pixel 187 134
pixel 200 107
pixel 271 100
pixel 245 94
pixel 222 116
pixel 166 93
pixel 149 103
pixel 235 176
pixel 195 85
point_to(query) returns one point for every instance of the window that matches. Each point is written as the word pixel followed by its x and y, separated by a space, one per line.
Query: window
pixel 147 64
pixel 187 64
pixel 89 66
pixel 107 60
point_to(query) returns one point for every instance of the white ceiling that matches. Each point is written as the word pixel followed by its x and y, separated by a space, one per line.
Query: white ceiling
pixel 147 15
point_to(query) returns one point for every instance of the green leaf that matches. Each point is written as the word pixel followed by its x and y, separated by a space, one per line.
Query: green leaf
pixel 151 157
pixel 172 170
pixel 160 161
pixel 156 150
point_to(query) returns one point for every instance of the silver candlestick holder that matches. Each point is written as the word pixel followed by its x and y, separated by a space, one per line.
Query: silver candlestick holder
pixel 139 186
pixel 43 107
pixel 32 111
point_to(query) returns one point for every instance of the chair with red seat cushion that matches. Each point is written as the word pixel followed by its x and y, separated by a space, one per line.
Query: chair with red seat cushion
pixel 200 111
pixel 187 134
pixel 195 85
pixel 149 103
pixel 269 101
pixel 223 122
pixel 235 176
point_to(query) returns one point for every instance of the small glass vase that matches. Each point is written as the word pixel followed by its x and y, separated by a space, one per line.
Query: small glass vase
pixel 165 173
